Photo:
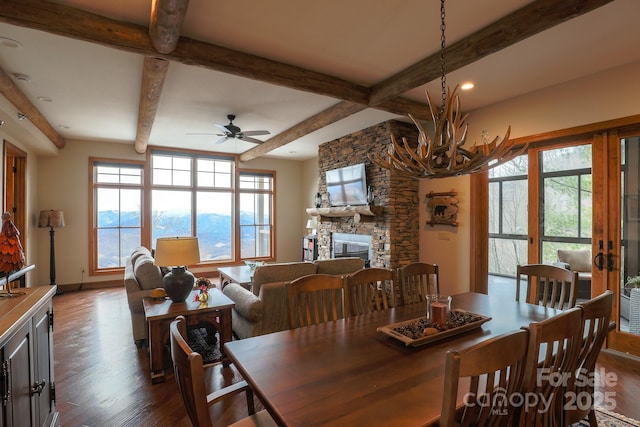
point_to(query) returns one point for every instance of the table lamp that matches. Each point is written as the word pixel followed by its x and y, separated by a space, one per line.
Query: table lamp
pixel 177 252
pixel 310 227
pixel 51 219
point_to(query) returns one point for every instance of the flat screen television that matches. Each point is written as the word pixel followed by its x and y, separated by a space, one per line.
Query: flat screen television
pixel 347 186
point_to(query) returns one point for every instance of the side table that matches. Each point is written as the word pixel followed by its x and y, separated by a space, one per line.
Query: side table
pixel 240 274
pixel 160 313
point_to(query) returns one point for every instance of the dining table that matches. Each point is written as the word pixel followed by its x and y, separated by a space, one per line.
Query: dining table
pixel 348 373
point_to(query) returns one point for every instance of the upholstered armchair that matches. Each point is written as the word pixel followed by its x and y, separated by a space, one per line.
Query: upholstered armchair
pixel 579 261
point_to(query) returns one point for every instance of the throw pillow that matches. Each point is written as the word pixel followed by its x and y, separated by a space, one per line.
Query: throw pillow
pixel 147 273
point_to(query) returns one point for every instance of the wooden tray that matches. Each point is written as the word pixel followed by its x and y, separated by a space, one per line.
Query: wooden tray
pixel 415 342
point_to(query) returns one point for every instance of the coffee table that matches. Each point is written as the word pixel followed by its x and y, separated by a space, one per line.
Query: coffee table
pixel 240 274
pixel 215 315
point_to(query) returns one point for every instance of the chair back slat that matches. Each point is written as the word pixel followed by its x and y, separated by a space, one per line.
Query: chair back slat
pixel 417 280
pixel 369 289
pixel 547 285
pixel 316 298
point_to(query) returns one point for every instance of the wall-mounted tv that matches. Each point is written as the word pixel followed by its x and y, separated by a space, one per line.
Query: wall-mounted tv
pixel 347 186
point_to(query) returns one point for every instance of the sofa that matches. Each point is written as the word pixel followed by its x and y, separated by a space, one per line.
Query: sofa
pixel 141 276
pixel 263 309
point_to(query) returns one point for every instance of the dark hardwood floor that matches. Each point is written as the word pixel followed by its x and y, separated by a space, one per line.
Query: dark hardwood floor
pixel 102 379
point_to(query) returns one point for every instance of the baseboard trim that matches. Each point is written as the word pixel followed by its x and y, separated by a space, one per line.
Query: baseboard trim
pixel 73 287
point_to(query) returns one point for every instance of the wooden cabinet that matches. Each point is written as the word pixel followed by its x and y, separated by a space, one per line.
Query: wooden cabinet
pixel 27 387
pixel 309 248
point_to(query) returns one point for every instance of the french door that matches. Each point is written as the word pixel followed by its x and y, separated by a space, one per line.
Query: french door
pixel 616 230
pixel 581 192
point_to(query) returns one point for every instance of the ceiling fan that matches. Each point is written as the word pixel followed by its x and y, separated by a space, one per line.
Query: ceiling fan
pixel 232 131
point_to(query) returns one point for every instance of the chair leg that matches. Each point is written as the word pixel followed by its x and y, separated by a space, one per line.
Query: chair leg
pixel 250 405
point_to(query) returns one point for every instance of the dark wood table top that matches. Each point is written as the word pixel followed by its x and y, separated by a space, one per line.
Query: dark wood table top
pixel 155 309
pixel 345 373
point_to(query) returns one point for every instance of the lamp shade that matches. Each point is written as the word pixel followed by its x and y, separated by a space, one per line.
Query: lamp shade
pixel 51 218
pixel 177 251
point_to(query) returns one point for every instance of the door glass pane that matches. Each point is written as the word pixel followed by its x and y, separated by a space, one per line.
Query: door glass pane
pixel 514 207
pixel 561 213
pixel 567 158
pixel 505 255
pixel 508 216
pixel 630 252
pixel 567 212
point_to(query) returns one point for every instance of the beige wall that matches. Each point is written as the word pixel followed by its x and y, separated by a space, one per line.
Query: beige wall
pixel 62 183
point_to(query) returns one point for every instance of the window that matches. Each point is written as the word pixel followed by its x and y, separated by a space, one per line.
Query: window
pixel 117 213
pixel 567 206
pixel 188 194
pixel 256 195
pixel 508 219
pixel 195 195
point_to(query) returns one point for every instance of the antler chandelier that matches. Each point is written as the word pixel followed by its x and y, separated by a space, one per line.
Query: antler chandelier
pixel 445 155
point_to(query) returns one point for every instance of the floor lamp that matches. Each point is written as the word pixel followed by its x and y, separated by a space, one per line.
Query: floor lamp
pixel 51 219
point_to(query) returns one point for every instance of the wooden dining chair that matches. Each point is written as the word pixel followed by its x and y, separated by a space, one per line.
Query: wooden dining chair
pixel 190 376
pixel 495 369
pixel 552 356
pixel 417 280
pixel 369 289
pixel 596 315
pixel 547 285
pixel 316 298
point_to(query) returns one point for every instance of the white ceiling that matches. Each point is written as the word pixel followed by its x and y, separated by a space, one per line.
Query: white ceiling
pixel 95 89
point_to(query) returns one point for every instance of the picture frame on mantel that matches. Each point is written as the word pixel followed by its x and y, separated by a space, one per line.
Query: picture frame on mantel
pixel 443 209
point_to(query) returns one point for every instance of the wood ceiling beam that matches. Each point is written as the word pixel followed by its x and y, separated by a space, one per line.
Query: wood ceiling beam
pixel 164 29
pixel 74 23
pixel 165 23
pixel 14 95
pixel 317 121
pixel 525 22
pixel 154 72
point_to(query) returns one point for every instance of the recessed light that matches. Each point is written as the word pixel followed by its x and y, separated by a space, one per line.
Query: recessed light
pixel 467 86
pixel 63 127
pixel 44 99
pixel 22 77
pixel 7 42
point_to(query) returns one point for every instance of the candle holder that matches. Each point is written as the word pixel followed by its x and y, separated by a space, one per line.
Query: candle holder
pixel 438 307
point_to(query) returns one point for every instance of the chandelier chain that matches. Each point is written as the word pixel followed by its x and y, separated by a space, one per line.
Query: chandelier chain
pixel 443 75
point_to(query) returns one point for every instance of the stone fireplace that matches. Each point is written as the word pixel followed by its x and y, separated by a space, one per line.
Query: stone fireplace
pixel 392 236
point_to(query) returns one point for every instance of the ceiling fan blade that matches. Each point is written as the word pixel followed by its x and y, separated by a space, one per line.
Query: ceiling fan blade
pixel 256 132
pixel 249 139
pixel 221 140
pixel 222 128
